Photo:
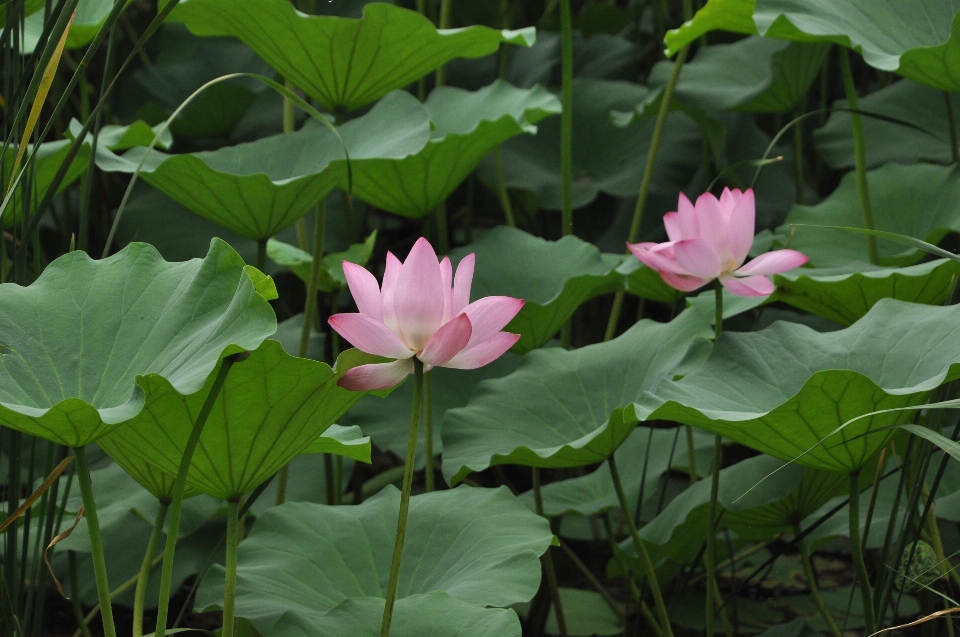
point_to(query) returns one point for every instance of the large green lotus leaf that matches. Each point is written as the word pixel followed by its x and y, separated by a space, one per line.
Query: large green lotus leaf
pixel 331 278
pixel 90 16
pixel 845 294
pixel 642 458
pixel 81 343
pixel 725 15
pixel 435 614
pixel 553 277
pixel 257 189
pixel 907 101
pixel 272 407
pixel 47 161
pixel 341 62
pixel 918 201
pixel 114 137
pixel 387 420
pixel 919 40
pixel 754 74
pixel 606 158
pixel 785 389
pixel 467 126
pixel 476 545
pixel 342 441
pixel 565 408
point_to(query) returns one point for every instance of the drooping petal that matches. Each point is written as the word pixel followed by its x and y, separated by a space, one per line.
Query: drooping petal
pixel 462 282
pixel 446 277
pixel 658 256
pixel 682 282
pixel 740 227
pixel 773 263
pixel 687 219
pixel 712 224
pixel 447 341
pixel 419 295
pixel 748 286
pixel 364 289
pixel 376 375
pixel 484 353
pixel 698 258
pixel 369 335
pixel 671 221
pixel 389 292
pixel 489 315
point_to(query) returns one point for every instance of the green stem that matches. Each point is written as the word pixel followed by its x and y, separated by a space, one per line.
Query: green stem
pixel 641 549
pixel 502 189
pixel 82 627
pixel 710 556
pixel 262 255
pixel 812 585
pixel 691 455
pixel 615 606
pixel 647 179
pixel 179 486
pixel 96 541
pixel 566 118
pixel 798 160
pixel 143 578
pixel 408 468
pixel 952 124
pixel 860 155
pixel 283 476
pixel 856 551
pixel 549 570
pixel 310 305
pixel 230 578
pixel 428 430
pixel 718 308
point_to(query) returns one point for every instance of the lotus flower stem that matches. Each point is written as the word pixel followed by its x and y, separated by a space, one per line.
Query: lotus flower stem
pixel 859 154
pixel 96 541
pixel 952 124
pixel 812 584
pixel 262 254
pixel 710 556
pixel 566 119
pixel 428 431
pixel 230 578
pixel 856 551
pixel 408 468
pixel 179 487
pixel 641 549
pixel 148 560
pixel 647 180
pixel 550 573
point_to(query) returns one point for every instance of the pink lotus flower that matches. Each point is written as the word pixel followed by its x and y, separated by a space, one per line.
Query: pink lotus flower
pixel 421 310
pixel 710 241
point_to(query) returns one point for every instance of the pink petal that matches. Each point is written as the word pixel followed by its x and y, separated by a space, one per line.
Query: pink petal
pixel 485 352
pixel 658 256
pixel 712 223
pixel 697 257
pixel 687 218
pixel 671 221
pixel 419 295
pixel 446 276
pixel 749 286
pixel 740 228
pixel 729 199
pixel 489 315
pixel 462 282
pixel 773 263
pixel 369 335
pixel 376 375
pixel 447 341
pixel 681 282
pixel 389 292
pixel 363 286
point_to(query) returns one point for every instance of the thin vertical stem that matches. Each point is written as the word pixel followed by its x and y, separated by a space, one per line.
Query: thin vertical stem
pixel 718 308
pixel 548 568
pixel 179 486
pixel 798 160
pixel 691 455
pixel 952 124
pixel 856 551
pixel 146 566
pixel 812 584
pixel 566 119
pixel 428 430
pixel 710 556
pixel 647 179
pixel 859 154
pixel 408 468
pixel 262 255
pixel 96 541
pixel 289 123
pixel 502 189
pixel 230 578
pixel 641 549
